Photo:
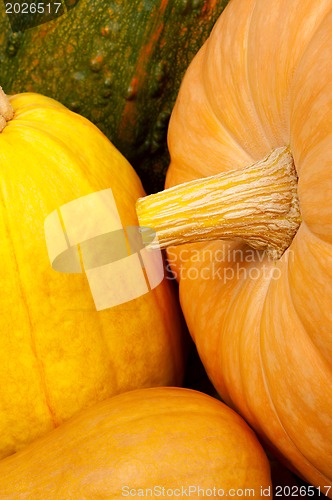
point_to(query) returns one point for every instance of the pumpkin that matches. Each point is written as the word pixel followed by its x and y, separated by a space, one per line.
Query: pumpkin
pixel 250 140
pixel 119 64
pixel 58 353
pixel 149 442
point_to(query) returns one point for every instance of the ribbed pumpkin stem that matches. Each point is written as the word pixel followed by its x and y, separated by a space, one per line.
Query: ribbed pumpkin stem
pixel 6 110
pixel 257 204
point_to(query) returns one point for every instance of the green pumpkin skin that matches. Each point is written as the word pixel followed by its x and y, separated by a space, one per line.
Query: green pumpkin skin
pixel 118 63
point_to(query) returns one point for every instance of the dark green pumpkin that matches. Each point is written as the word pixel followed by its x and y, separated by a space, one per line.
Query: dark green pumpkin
pixel 117 62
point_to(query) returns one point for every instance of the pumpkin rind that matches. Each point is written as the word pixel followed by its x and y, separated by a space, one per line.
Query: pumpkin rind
pixel 263 328
pixel 142 441
pixel 119 64
pixel 58 354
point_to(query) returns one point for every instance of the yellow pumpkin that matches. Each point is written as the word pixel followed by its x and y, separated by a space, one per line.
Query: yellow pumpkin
pixel 157 442
pixel 258 305
pixel 58 353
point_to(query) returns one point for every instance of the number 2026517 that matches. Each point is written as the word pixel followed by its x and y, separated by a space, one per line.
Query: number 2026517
pixel 32 8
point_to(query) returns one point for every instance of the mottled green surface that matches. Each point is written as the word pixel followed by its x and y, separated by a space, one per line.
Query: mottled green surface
pixel 117 62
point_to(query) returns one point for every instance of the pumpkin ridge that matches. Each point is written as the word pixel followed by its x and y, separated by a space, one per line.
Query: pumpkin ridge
pixel 213 109
pixel 324 479
pixel 270 400
pixel 247 62
pixel 225 320
pixel 39 362
pixel 253 108
pixel 264 283
pixel 324 359
pixel 265 378
pixel 228 131
pixel 309 41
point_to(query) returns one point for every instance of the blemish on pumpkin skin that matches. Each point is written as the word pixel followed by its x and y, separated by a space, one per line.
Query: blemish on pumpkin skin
pixel 108 80
pixel 96 63
pixel 130 112
pixel 105 31
pixel 162 43
pixel 42 33
pixel 132 89
pixel 154 39
pixel 208 6
pixel 35 78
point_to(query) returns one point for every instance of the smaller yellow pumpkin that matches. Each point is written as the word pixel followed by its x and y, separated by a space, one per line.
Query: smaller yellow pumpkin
pixel 58 354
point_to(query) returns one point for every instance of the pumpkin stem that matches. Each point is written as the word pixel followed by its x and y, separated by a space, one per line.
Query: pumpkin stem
pixel 6 110
pixel 257 204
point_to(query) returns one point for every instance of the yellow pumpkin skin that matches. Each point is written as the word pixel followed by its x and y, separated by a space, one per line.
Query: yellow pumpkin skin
pixel 263 327
pixel 165 437
pixel 58 354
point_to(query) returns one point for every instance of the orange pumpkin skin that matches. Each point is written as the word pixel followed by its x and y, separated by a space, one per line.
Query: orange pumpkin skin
pixel 169 438
pixel 263 327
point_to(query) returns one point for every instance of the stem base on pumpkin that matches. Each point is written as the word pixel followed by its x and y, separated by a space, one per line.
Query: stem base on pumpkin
pixel 6 111
pixel 257 204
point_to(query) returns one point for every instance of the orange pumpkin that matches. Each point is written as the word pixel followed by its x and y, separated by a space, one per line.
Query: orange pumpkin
pixel 259 307
pixel 157 442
